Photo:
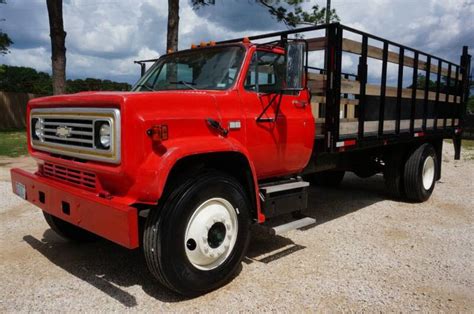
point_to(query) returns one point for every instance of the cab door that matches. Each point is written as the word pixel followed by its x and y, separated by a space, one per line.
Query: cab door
pixel 279 123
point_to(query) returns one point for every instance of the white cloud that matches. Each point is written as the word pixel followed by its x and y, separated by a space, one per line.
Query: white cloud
pixel 104 37
pixel 38 58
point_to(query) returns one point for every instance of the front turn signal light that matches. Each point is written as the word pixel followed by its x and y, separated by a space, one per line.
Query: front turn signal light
pixel 158 133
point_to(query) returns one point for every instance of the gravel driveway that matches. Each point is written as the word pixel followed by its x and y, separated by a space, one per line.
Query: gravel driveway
pixel 365 253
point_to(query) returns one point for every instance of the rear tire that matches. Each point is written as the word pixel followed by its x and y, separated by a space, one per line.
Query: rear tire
pixel 327 178
pixel 69 231
pixel 421 171
pixel 195 241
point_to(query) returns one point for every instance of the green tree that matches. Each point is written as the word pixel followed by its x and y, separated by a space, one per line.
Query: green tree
pixel 470 105
pixel 5 41
pixel 28 80
pixel 25 80
pixel 297 16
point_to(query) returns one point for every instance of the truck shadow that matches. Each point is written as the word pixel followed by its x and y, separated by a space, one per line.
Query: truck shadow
pixel 109 267
pixel 324 204
pixel 104 265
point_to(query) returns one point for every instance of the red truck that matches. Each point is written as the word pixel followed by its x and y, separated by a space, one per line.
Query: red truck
pixel 225 135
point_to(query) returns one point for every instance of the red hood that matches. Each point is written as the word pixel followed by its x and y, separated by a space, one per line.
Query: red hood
pixel 119 99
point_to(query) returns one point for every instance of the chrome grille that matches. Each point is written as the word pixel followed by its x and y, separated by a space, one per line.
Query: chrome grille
pixel 82 131
pixel 72 132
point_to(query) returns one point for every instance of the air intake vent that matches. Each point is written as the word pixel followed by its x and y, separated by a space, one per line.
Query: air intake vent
pixel 80 178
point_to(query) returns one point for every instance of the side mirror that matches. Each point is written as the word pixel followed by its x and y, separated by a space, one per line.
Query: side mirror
pixel 295 64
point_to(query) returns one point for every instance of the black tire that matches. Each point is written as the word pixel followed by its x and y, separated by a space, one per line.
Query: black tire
pixel 326 178
pixel 164 234
pixel 415 189
pixel 69 231
pixel 393 175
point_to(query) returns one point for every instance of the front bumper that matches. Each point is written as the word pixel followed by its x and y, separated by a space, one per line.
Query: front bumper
pixel 106 218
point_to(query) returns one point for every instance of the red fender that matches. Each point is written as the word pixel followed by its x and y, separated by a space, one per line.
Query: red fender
pixel 157 167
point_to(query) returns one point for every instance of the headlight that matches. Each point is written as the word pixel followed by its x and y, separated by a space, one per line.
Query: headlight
pixel 38 129
pixel 104 135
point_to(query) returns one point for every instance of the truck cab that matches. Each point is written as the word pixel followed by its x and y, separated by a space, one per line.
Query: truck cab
pixel 246 83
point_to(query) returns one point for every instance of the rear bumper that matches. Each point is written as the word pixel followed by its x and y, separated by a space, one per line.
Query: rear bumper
pixel 106 218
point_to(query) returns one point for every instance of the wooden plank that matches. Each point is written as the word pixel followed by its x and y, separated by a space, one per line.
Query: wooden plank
pixel 344 101
pixel 353 46
pixel 316 77
pixel 353 87
pixel 350 111
pixel 317 83
pixel 318 43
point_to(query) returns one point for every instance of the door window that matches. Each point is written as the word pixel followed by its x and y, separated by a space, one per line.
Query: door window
pixel 266 72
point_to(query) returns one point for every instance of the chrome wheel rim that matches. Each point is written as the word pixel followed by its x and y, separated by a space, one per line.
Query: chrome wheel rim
pixel 428 172
pixel 211 234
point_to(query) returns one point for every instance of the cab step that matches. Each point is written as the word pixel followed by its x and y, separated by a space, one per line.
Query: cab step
pixel 292 225
pixel 283 197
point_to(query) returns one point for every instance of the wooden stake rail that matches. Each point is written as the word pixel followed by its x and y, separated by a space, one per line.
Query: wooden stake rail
pixel 317 83
pixel 352 46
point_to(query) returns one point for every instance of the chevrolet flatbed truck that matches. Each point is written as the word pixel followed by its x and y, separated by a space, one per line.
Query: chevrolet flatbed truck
pixel 224 135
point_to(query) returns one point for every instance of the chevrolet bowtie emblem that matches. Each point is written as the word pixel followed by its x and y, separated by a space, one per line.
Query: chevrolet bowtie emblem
pixel 63 131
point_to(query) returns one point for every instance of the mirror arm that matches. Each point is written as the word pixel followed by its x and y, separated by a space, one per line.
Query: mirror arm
pixel 260 119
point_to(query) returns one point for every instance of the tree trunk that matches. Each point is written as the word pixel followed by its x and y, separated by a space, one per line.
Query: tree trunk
pixel 173 25
pixel 58 47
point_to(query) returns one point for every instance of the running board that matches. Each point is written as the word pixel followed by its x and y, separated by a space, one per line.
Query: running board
pixel 284 197
pixel 284 186
pixel 292 225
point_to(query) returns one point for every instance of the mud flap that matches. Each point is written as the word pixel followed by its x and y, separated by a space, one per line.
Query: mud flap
pixel 457 147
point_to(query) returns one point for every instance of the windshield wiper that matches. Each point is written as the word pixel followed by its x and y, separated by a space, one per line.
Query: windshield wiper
pixel 187 84
pixel 146 86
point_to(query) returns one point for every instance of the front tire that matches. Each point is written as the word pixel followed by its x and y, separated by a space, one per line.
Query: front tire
pixel 420 173
pixel 197 239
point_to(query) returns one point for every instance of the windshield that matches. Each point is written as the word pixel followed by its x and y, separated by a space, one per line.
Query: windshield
pixel 212 68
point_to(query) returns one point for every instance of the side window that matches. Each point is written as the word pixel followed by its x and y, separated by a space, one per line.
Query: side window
pixel 266 70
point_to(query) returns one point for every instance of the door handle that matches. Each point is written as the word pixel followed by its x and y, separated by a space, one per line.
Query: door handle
pixel 300 103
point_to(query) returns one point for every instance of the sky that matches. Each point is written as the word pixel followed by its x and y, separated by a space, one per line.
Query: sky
pixel 104 37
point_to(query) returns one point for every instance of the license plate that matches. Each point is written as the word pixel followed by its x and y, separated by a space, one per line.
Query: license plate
pixel 20 190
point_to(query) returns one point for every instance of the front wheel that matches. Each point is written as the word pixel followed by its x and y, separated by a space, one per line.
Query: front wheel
pixel 196 240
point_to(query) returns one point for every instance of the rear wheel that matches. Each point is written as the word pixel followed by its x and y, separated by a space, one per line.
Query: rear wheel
pixel 196 240
pixel 69 231
pixel 420 173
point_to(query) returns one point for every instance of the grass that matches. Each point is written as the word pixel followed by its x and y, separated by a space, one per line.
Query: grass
pixel 13 143
pixel 468 144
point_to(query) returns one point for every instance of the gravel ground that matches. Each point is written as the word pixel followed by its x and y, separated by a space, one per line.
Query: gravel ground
pixel 366 253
